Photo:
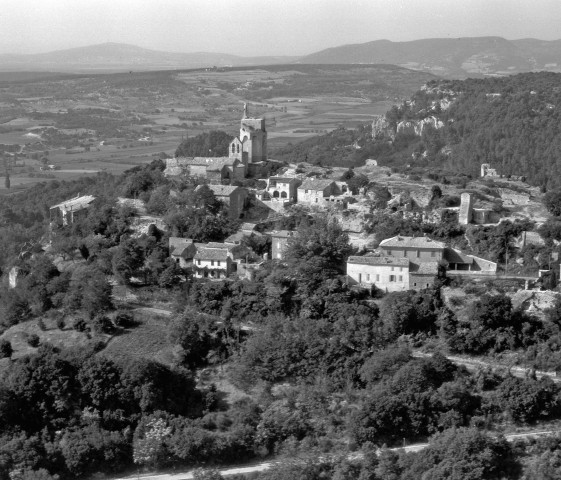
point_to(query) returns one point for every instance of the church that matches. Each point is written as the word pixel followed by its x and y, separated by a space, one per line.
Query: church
pixel 247 157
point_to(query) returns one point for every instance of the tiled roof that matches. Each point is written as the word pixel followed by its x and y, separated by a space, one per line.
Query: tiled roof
pixel 284 179
pixel 411 242
pixel 221 190
pixel 452 255
pixel 399 261
pixel 210 162
pixel 178 246
pixel 211 254
pixel 315 184
pixel 249 227
pixel 76 203
pixel 216 245
pixel 284 233
pixel 423 268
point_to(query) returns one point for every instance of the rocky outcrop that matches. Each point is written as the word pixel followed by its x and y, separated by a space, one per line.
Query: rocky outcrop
pixel 381 127
pixel 411 127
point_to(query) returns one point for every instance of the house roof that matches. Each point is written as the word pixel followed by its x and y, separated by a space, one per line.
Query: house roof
pixel 283 233
pixel 204 253
pixel 209 162
pixel 248 227
pixel 75 204
pixel 315 184
pixel 221 190
pixel 284 179
pixel 451 255
pixel 178 245
pixel 411 242
pixel 216 245
pixel 392 261
pixel 423 268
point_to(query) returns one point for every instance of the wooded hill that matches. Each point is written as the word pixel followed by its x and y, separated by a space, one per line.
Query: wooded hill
pixel 513 123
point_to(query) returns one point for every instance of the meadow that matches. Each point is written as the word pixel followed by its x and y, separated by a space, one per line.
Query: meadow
pixel 82 124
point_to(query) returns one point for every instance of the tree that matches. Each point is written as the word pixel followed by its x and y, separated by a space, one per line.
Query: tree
pixel 552 201
pixel 6 349
pixel 89 291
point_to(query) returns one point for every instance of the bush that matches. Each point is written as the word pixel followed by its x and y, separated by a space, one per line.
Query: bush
pixel 60 323
pixel 124 320
pixel 33 340
pixel 103 324
pixel 41 325
pixel 80 325
pixel 6 349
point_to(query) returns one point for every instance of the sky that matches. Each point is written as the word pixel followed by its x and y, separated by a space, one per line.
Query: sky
pixel 264 27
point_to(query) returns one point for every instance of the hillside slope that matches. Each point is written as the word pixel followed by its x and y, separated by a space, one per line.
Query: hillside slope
pixel 458 58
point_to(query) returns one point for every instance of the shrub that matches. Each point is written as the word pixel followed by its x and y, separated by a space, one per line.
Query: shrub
pixel 6 349
pixel 124 320
pixel 103 324
pixel 41 325
pixel 33 340
pixel 80 325
pixel 60 323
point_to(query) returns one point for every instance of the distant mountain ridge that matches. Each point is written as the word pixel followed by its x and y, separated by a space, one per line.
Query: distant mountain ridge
pixel 458 58
pixel 120 56
pixel 452 58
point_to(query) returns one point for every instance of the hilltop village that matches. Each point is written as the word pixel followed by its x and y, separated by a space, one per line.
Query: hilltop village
pixel 206 311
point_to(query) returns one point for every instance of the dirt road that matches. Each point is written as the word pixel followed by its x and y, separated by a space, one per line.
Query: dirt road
pixel 260 467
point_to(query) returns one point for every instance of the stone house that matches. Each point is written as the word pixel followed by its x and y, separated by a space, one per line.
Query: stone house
pixel 234 197
pixel 320 191
pixel 390 274
pixel 283 188
pixel 182 251
pixel 69 211
pixel 414 248
pixel 279 242
pixel 213 260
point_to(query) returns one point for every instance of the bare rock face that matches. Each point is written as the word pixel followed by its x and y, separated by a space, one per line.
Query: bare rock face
pixel 381 127
pixel 408 127
pixel 425 122
pixel 411 127
pixel 13 277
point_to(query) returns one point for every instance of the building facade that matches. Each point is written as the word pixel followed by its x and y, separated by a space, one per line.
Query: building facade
pixel 283 188
pixel 414 248
pixel 234 197
pixel 279 242
pixel 69 211
pixel 213 260
pixel 390 274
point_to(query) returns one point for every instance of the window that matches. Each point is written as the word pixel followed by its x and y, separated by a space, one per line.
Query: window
pixel 401 269
pixel 198 262
pixel 392 278
pixel 367 277
pixel 389 252
pixel 218 263
pixel 433 254
pixel 404 253
pixel 414 284
pixel 392 269
pixel 418 253
pixel 212 263
pixel 377 277
pixel 305 191
pixel 400 278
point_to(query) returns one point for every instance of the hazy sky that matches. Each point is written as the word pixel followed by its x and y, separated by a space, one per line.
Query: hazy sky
pixel 265 27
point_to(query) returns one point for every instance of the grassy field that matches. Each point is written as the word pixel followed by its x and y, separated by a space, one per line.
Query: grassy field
pixel 112 122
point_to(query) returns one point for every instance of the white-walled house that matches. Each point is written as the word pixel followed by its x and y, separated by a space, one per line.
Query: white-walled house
pixel 213 260
pixel 390 274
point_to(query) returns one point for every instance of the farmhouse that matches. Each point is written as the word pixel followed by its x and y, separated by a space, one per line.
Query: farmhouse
pixel 70 210
pixel 390 274
pixel 320 191
pixel 413 248
pixel 213 260
pixel 283 188
pixel 182 251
